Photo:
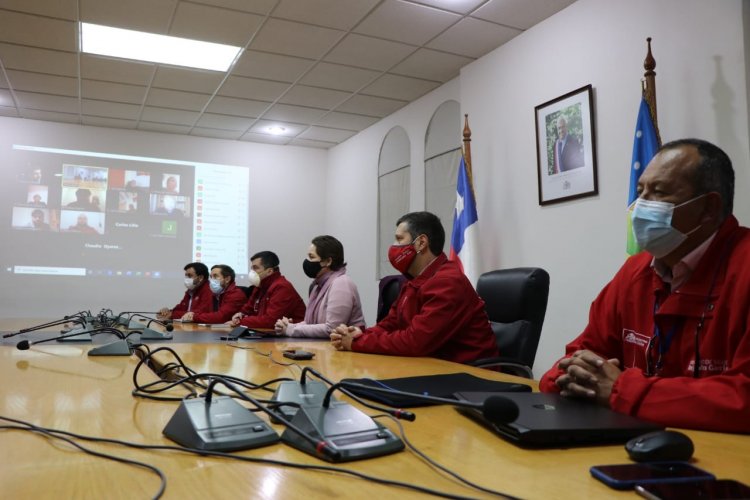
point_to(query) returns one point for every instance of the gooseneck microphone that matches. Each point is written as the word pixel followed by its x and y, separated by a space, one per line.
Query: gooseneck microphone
pixel 25 344
pixel 65 320
pixel 496 409
pixel 120 317
pixel 399 413
pixel 168 326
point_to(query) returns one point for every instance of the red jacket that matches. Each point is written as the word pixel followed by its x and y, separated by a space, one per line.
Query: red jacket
pixel 272 300
pixel 229 303
pixel 437 314
pixel 203 301
pixel 621 325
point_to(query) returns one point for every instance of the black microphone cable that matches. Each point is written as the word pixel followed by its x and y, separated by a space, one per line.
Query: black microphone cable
pixel 394 412
pixel 53 434
pixel 25 344
pixel 446 470
pixel 258 460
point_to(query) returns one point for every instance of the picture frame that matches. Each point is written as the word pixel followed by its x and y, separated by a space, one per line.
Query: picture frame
pixel 566 147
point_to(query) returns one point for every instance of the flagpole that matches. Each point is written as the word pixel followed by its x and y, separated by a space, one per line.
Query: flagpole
pixel 467 153
pixel 648 86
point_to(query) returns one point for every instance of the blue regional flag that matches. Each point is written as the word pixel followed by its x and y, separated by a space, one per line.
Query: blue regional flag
pixel 464 238
pixel 645 145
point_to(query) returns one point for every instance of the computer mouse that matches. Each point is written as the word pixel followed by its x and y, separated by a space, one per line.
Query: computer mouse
pixel 660 446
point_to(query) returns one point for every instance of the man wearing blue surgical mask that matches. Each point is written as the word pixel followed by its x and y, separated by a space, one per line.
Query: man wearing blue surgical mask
pixel 228 298
pixel 668 338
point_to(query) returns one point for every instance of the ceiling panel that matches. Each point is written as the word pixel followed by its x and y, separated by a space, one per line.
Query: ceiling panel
pixel 521 14
pixel 252 88
pixel 64 9
pixel 432 65
pixel 177 99
pixel 107 91
pixel 237 107
pixel 212 24
pixel 36 31
pixel 271 66
pixel 339 77
pixel 394 20
pixel 314 97
pixel 400 87
pixel 339 14
pixel 323 69
pixel 53 62
pixel 295 39
pixel 28 100
pixel 295 114
pixel 39 82
pixel 473 37
pixel 152 16
pixel 367 52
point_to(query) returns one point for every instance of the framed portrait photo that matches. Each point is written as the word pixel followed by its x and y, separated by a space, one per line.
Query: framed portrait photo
pixel 566 147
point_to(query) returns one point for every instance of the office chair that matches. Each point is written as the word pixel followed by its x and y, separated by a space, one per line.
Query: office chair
pixel 246 289
pixel 516 303
pixel 388 290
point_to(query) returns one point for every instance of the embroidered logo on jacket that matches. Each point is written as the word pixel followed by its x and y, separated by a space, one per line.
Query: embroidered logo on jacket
pixel 632 337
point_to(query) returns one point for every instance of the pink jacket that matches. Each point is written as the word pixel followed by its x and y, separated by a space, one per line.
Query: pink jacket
pixel 334 300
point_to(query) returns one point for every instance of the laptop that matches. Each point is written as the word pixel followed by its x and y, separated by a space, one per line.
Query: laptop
pixel 551 421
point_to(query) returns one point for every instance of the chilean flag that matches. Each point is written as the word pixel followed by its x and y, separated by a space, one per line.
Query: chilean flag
pixel 465 238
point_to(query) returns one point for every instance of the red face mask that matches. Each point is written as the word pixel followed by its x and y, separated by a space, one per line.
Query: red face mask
pixel 401 256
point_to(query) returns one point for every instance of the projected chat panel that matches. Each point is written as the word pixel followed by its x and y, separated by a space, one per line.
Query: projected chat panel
pixel 118 215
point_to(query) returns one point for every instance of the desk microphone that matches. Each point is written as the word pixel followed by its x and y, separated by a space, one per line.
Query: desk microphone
pixel 496 409
pixel 25 344
pixel 151 334
pixel 119 318
pixel 65 320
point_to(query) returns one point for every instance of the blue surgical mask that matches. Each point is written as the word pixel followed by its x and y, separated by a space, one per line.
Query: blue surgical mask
pixel 652 226
pixel 215 285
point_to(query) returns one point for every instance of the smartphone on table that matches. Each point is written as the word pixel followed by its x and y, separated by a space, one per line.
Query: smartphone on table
pixel 716 489
pixel 627 476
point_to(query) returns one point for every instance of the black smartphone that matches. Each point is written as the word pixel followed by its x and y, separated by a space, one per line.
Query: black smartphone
pixel 298 354
pixel 724 489
pixel 627 476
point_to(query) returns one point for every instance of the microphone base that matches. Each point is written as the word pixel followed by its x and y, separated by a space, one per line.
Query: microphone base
pixel 84 336
pixel 311 393
pixel 135 325
pixel 354 435
pixel 118 348
pixel 151 334
pixel 223 425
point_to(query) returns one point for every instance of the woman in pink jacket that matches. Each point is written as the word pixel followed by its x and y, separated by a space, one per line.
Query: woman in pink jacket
pixel 334 299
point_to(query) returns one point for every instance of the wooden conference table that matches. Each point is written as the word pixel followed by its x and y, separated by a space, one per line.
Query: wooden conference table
pixel 59 386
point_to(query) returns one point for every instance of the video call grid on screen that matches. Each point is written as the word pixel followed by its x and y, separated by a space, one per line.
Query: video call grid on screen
pixel 87 213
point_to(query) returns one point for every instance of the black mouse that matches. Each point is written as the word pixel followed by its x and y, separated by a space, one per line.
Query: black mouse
pixel 660 446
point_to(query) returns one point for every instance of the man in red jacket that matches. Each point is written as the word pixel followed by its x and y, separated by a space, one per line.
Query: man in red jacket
pixel 227 298
pixel 668 338
pixel 274 298
pixel 437 312
pixel 197 298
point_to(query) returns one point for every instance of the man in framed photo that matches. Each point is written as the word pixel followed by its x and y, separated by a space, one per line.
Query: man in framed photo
pixel 568 149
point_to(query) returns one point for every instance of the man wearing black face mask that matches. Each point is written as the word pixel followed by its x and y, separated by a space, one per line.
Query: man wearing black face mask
pixel 437 312
pixel 668 338
pixel 272 299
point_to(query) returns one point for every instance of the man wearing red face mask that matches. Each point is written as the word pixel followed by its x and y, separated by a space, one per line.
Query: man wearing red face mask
pixel 437 313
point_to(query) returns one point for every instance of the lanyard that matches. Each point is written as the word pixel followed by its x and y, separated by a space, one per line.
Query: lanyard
pixel 665 341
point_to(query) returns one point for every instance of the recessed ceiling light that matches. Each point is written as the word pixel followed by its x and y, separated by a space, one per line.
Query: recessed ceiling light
pixel 129 44
pixel 276 130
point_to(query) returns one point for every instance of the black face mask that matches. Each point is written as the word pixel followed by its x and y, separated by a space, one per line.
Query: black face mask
pixel 311 268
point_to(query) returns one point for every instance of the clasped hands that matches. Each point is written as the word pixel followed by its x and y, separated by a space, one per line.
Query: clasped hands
pixel 342 336
pixel 588 375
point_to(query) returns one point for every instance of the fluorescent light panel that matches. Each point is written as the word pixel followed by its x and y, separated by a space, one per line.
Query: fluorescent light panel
pixel 129 44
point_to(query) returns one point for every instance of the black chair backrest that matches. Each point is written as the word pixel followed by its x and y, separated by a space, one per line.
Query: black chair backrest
pixel 516 303
pixel 246 289
pixel 389 288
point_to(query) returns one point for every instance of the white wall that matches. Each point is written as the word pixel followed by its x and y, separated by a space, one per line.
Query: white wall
pixel 287 189
pixel 701 90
